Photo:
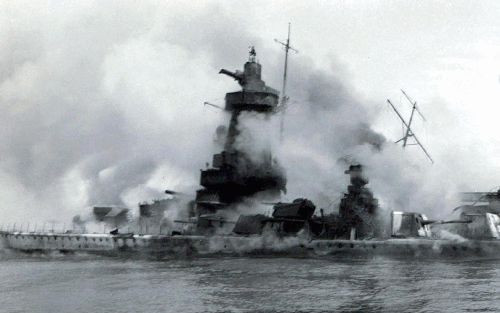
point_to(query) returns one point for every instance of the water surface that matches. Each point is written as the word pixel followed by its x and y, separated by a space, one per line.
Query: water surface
pixel 98 284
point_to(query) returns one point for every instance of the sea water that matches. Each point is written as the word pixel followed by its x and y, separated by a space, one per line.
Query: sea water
pixel 85 283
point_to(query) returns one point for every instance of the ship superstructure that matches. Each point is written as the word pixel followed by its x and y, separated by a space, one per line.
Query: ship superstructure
pixel 292 229
pixel 234 174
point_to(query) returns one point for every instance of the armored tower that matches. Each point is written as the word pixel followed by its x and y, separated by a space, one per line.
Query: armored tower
pixel 358 207
pixel 234 174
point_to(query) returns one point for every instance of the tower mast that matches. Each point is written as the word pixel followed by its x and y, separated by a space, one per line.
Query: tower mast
pixel 284 98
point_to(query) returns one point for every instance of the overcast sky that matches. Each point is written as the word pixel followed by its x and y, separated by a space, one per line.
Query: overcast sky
pixel 445 54
pixel 101 101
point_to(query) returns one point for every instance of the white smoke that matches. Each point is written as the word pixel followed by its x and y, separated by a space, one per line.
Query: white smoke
pixel 258 135
pixel 102 103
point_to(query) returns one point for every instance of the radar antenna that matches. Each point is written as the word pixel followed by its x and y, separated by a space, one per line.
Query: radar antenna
pixel 284 98
pixel 409 132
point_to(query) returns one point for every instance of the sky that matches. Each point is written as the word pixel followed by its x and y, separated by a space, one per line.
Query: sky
pixel 101 102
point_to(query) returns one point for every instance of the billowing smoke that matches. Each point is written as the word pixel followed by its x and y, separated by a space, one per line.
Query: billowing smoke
pixel 329 127
pixel 257 135
pixel 325 126
pixel 104 104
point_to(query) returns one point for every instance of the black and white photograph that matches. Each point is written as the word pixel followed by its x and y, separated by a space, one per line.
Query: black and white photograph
pixel 165 156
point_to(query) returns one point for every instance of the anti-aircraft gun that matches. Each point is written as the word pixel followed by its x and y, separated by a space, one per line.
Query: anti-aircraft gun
pixel 357 218
pixel 479 216
pixel 286 219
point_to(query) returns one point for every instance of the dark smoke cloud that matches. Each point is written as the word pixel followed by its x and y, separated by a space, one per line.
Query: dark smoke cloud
pixel 328 127
pixel 326 122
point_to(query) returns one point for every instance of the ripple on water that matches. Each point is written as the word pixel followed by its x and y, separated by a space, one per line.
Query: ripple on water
pixel 83 284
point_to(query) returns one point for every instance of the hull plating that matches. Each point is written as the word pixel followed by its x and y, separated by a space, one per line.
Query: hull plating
pixel 174 246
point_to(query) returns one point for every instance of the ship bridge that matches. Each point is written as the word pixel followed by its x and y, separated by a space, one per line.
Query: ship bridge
pixel 233 174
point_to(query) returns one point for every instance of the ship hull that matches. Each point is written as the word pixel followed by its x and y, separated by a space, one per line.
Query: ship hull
pixel 182 245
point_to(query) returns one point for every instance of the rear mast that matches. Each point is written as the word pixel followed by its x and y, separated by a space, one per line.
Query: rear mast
pixel 409 132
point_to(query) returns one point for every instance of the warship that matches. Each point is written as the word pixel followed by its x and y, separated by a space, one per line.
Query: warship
pixel 216 222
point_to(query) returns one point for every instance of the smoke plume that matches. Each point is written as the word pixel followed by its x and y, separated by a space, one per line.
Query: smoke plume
pixel 102 103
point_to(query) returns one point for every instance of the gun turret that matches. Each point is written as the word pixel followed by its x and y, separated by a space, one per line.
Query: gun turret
pixel 239 76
